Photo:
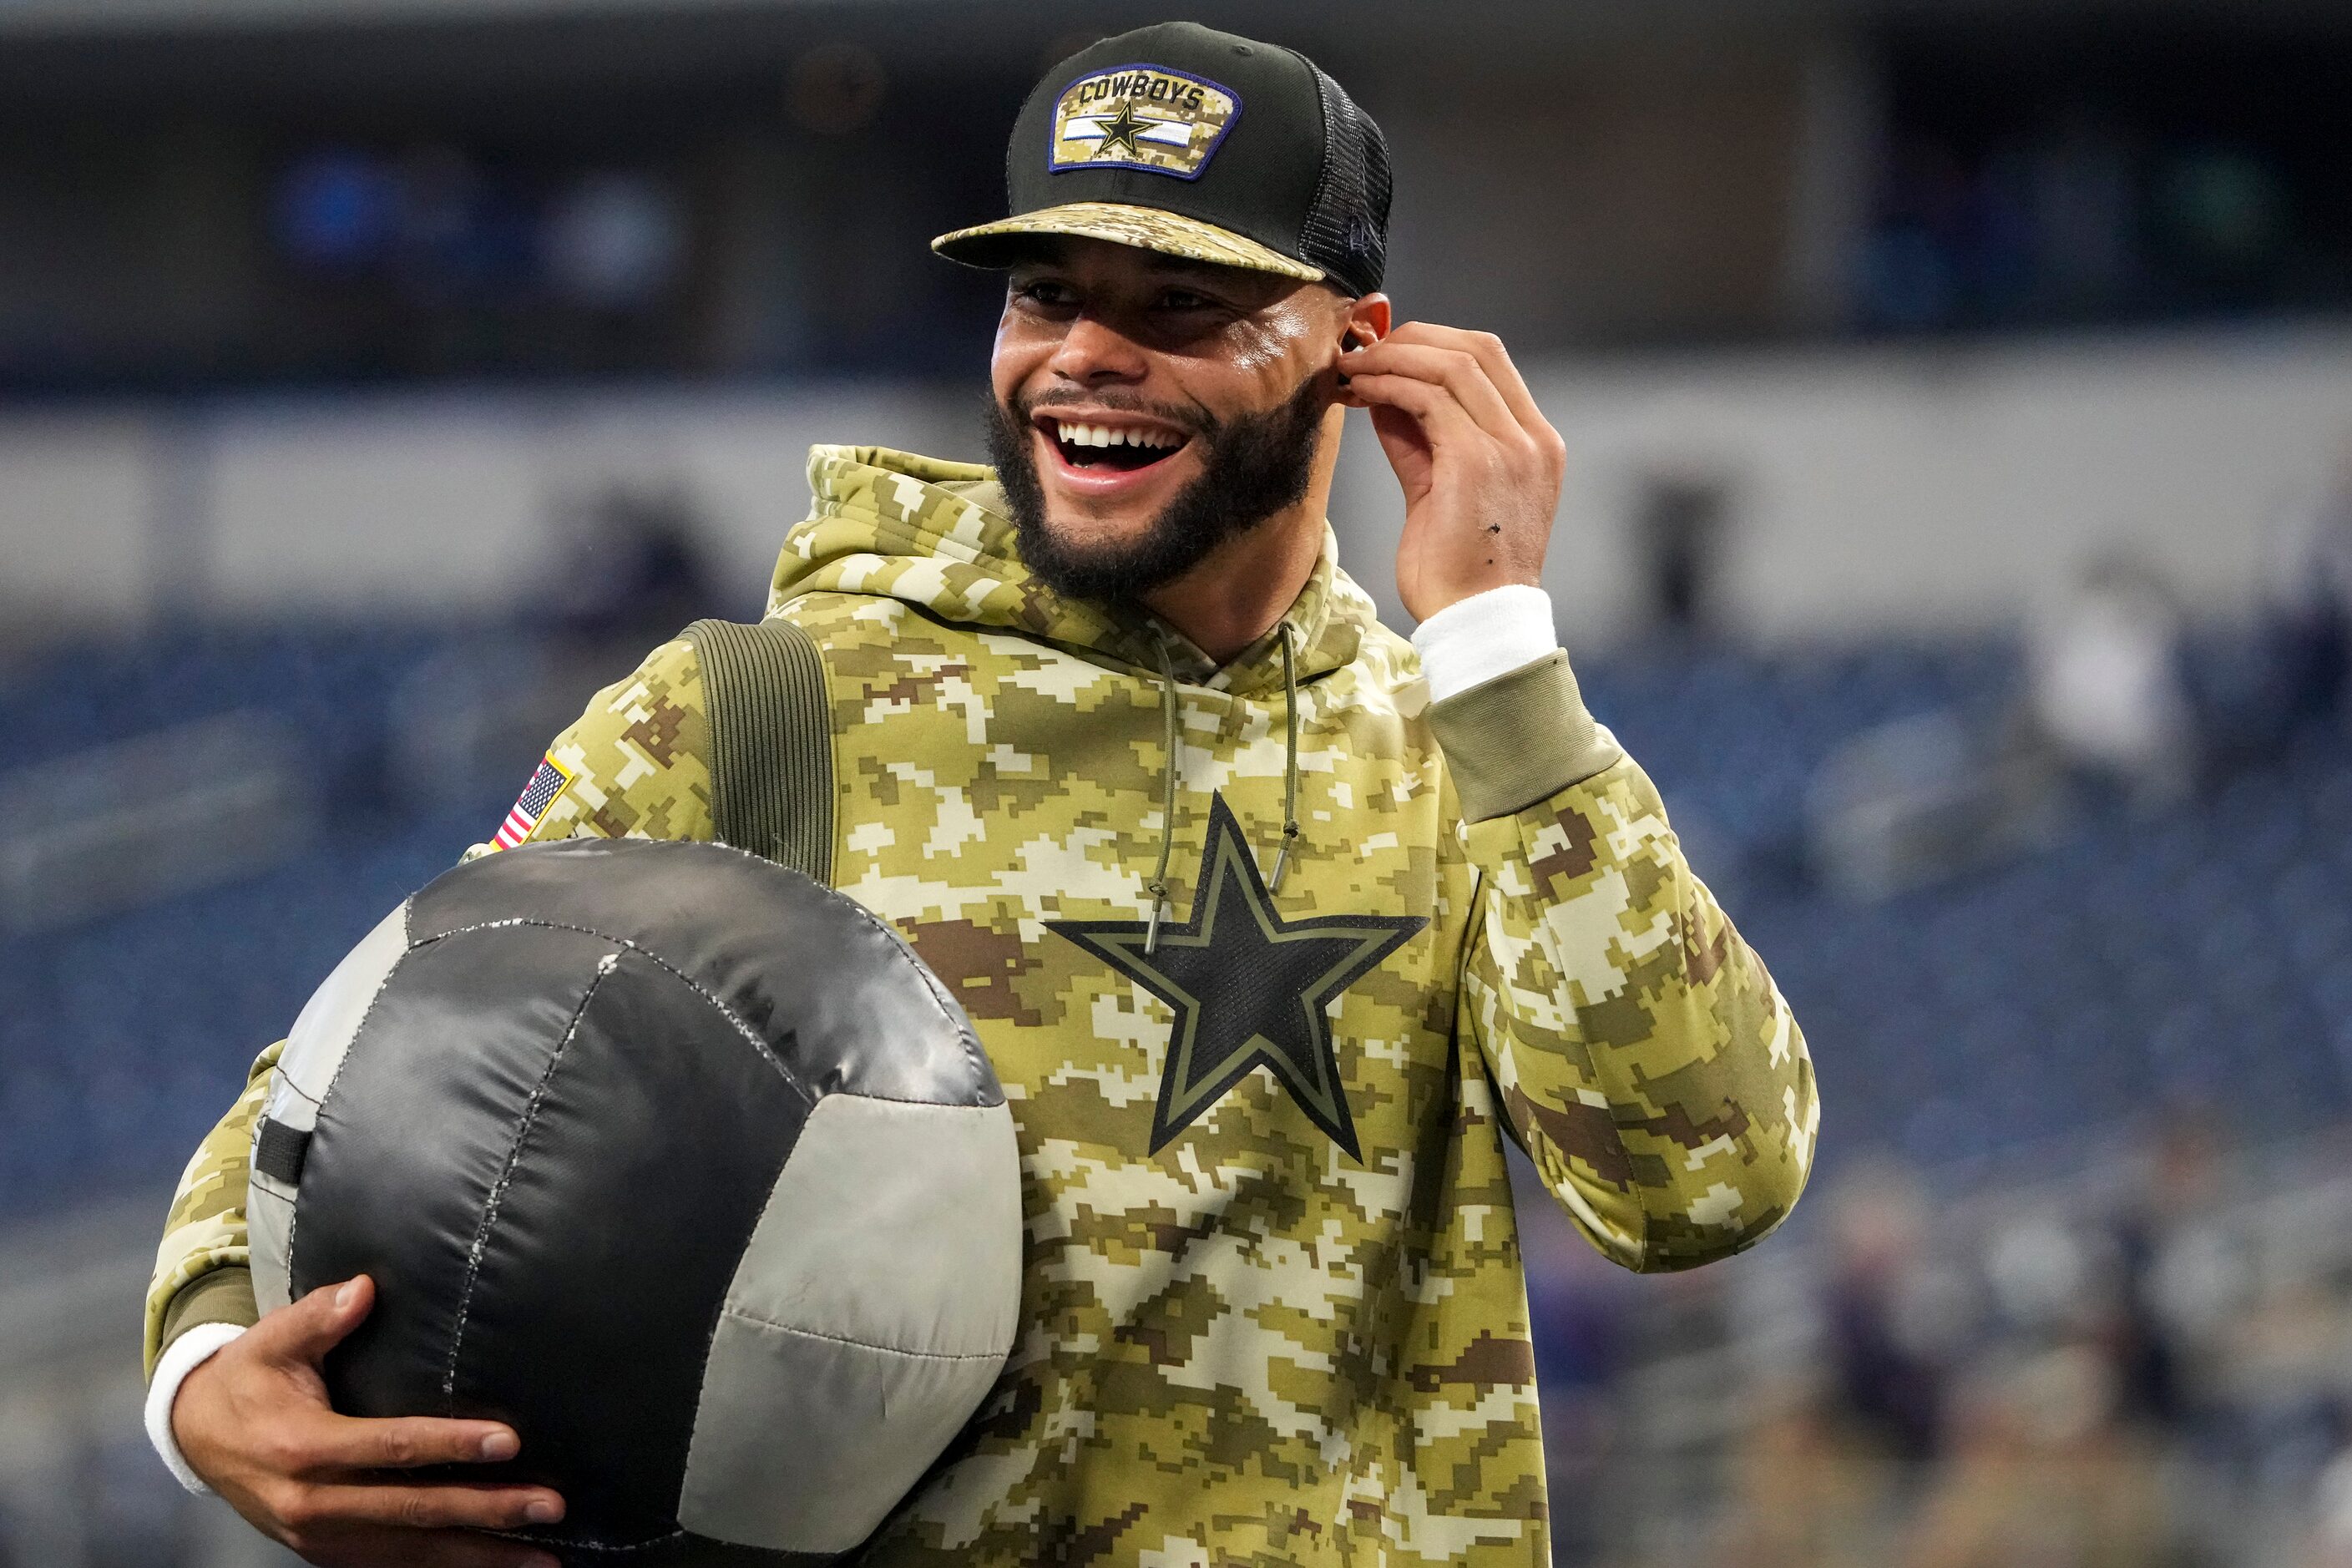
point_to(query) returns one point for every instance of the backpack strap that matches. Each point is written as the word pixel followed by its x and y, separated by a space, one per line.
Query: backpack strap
pixel 770 741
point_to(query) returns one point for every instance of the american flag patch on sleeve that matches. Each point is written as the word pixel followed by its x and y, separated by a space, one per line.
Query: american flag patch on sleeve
pixel 549 782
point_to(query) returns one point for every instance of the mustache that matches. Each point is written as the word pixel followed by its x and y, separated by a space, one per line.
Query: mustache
pixel 1185 416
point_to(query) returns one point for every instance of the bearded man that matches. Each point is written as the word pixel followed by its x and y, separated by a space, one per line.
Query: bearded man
pixel 1275 924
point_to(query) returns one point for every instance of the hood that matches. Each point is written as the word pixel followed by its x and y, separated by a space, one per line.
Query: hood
pixel 936 534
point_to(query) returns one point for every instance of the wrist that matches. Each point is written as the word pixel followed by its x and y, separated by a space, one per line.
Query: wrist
pixel 179 1361
pixel 1485 635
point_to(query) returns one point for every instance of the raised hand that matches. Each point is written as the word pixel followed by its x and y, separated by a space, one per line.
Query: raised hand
pixel 1480 464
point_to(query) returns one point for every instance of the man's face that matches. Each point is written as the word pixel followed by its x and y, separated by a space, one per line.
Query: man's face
pixel 1147 408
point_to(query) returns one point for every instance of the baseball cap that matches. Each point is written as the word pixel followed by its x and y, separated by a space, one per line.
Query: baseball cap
pixel 1183 140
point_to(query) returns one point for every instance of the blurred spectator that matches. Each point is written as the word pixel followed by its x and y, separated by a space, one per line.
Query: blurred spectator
pixel 2106 688
pixel 1917 799
pixel 1578 1306
pixel 2039 1475
pixel 1887 1385
pixel 1800 1497
pixel 2146 1342
pixel 2307 608
pixel 630 569
pixel 1681 522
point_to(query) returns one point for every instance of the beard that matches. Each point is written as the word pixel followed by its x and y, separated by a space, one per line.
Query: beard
pixel 1252 466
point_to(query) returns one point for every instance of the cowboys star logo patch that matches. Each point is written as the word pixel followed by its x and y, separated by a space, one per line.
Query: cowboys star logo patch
pixel 1141 117
pixel 1246 987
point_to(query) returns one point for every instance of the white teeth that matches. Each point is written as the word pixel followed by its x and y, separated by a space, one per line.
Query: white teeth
pixel 1079 435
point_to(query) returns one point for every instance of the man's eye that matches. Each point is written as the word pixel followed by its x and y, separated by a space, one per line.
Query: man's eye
pixel 1044 293
pixel 1184 299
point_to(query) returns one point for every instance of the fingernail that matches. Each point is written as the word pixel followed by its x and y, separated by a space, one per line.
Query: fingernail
pixel 543 1512
pixel 500 1445
pixel 344 1297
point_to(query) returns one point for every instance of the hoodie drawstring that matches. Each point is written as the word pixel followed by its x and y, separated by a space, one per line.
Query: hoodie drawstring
pixel 1289 766
pixel 1158 885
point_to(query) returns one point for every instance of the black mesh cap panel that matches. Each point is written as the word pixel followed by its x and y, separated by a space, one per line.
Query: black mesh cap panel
pixel 1347 228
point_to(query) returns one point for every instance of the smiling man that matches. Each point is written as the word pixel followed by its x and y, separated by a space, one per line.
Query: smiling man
pixel 1149 479
pixel 1275 924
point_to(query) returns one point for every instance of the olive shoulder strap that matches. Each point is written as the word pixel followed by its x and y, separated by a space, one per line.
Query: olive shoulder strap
pixel 770 741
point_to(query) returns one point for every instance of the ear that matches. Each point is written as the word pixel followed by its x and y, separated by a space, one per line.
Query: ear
pixel 1366 323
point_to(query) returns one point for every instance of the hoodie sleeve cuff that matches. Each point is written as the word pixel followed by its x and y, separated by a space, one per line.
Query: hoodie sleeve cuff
pixel 222 1296
pixel 1519 738
pixel 184 1354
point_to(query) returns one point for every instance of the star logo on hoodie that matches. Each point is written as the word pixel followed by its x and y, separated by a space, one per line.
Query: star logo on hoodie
pixel 1248 988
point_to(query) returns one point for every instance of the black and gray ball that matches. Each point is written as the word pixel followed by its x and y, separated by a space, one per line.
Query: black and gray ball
pixel 680 1163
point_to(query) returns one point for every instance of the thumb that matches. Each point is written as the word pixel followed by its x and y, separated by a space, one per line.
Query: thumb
pixel 305 1330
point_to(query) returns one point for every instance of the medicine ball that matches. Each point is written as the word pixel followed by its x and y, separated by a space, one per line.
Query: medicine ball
pixel 676 1161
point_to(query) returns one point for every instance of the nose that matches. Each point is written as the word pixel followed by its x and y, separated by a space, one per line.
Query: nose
pixel 1093 353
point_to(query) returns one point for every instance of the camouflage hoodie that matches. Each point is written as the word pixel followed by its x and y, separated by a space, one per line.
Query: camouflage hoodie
pixel 1274 1310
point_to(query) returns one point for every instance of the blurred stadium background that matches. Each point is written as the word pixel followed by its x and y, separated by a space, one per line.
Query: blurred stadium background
pixel 1958 526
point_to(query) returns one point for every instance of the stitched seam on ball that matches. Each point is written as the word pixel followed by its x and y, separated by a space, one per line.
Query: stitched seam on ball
pixel 733 1018
pixel 739 1314
pixel 604 966
pixel 294 1192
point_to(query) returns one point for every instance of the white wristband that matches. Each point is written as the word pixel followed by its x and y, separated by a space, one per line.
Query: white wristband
pixel 1475 639
pixel 182 1356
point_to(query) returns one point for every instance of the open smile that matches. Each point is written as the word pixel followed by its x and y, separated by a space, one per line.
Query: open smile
pixel 1106 445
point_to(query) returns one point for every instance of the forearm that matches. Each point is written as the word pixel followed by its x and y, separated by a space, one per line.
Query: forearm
pixel 205 1230
pixel 1647 1060
pixel 201 1295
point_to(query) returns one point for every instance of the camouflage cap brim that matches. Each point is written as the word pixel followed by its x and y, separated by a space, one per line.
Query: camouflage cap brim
pixel 1147 229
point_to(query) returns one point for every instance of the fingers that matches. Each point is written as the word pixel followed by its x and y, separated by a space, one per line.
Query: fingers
pixel 1443 419
pixel 446 1507
pixel 1492 356
pixel 1468 372
pixel 313 1440
pixel 303 1331
pixel 363 1526
pixel 1477 369
pixel 342 1442
pixel 1459 373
